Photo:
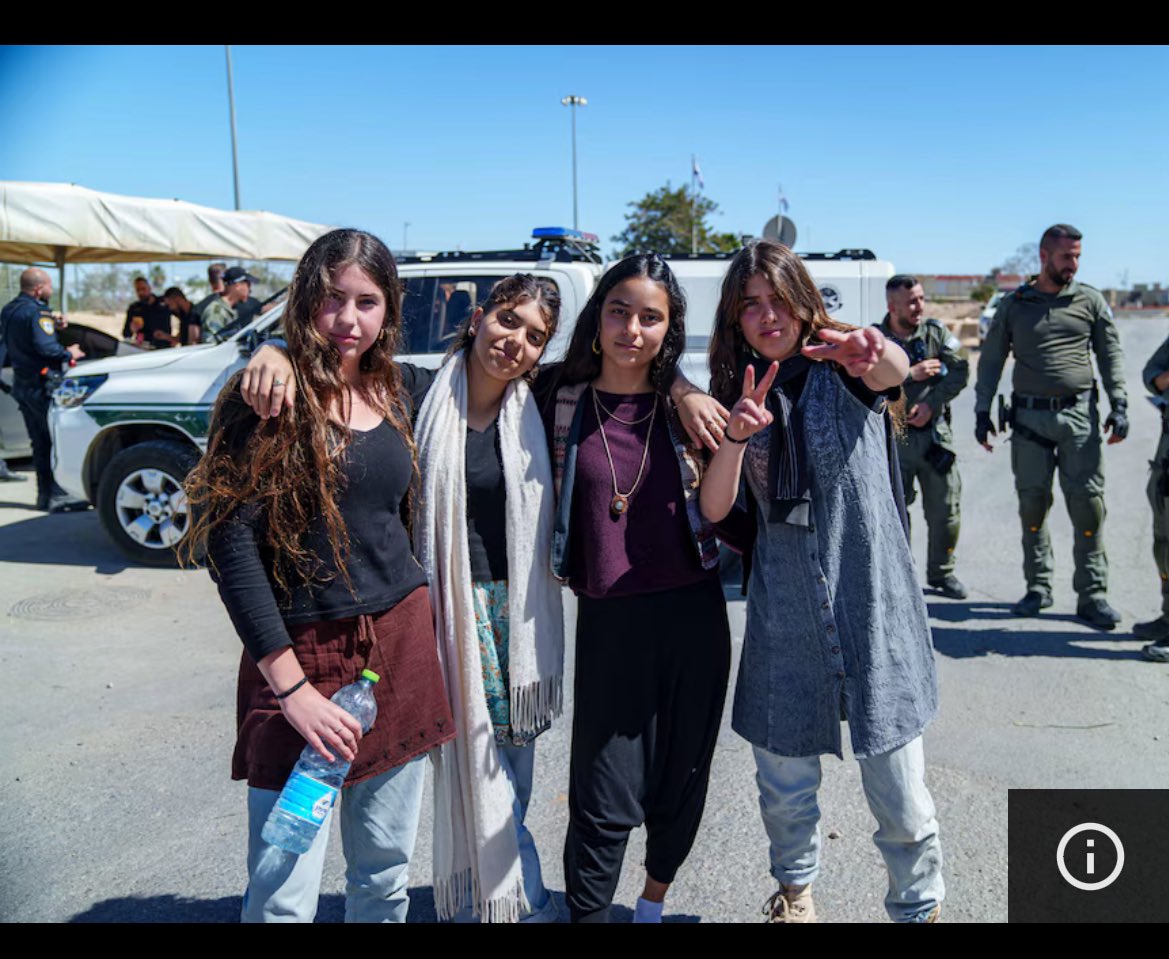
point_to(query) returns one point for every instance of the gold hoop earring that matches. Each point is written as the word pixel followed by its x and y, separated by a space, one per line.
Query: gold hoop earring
pixel 597 343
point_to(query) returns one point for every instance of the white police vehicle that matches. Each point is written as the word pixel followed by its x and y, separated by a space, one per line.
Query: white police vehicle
pixel 127 430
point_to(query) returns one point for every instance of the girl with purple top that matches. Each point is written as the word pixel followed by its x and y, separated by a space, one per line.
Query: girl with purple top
pixel 652 640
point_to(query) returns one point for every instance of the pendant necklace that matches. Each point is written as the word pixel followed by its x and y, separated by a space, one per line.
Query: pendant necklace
pixel 619 505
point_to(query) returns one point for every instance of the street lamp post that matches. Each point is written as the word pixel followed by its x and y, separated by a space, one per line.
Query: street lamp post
pixel 574 102
pixel 231 106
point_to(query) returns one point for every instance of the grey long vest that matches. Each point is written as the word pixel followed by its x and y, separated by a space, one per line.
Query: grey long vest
pixel 836 625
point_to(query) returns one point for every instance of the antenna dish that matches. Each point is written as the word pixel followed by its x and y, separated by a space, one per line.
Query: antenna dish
pixel 781 229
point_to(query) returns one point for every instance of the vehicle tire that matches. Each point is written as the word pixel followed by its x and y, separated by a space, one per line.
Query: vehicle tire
pixel 141 502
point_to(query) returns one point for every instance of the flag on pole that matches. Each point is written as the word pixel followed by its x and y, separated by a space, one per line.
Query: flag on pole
pixel 783 204
pixel 697 172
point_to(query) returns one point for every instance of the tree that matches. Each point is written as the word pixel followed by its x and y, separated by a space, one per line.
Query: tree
pixel 982 293
pixel 1023 262
pixel 662 221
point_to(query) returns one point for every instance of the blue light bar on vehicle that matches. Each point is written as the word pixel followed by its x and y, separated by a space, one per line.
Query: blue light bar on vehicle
pixel 564 233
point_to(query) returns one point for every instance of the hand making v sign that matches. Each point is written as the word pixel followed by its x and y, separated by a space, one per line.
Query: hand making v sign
pixel 749 415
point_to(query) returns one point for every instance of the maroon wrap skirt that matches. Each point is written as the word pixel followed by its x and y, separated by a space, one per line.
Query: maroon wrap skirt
pixel 413 714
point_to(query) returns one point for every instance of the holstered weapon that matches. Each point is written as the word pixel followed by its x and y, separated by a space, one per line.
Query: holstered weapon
pixel 1007 418
pixel 1162 468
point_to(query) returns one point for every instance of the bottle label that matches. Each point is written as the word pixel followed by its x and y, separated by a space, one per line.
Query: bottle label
pixel 307 798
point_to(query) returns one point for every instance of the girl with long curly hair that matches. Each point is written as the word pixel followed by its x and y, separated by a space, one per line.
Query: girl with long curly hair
pixel 301 519
pixel 836 626
pixel 482 528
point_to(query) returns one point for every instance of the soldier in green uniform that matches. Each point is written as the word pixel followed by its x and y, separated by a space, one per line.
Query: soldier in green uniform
pixel 1156 377
pixel 938 372
pixel 1051 324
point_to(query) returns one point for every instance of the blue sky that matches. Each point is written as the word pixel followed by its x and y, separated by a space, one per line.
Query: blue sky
pixel 942 160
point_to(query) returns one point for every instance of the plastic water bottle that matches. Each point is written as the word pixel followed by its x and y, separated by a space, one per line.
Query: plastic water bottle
pixel 312 788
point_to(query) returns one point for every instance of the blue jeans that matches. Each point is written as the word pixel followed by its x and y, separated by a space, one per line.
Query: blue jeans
pixel 907 829
pixel 379 823
pixel 518 762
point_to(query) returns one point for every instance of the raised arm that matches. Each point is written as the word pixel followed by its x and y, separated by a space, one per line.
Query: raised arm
pixel 865 353
pixel 720 482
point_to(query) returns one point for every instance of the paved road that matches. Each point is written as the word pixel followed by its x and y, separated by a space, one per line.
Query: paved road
pixel 118 684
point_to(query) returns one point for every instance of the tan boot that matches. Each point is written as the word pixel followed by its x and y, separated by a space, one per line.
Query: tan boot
pixel 790 904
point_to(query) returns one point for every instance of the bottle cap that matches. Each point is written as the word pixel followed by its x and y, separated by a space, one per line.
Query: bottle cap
pixel 370 675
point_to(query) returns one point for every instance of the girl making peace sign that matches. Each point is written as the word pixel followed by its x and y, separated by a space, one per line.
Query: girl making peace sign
pixel 836 627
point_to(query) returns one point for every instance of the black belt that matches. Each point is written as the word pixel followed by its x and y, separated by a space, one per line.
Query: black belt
pixel 1049 403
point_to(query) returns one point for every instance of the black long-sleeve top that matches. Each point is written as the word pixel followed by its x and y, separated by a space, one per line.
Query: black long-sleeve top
pixel 381 566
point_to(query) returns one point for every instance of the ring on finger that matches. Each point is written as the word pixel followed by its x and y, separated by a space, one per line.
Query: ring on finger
pixel 277 382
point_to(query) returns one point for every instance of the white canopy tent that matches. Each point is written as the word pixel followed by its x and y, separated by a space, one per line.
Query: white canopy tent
pixel 64 223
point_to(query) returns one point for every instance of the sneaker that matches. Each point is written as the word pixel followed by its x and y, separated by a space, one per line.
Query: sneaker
pixel 1030 604
pixel 1157 652
pixel 7 476
pixel 790 904
pixel 949 586
pixel 1098 614
pixel 1155 630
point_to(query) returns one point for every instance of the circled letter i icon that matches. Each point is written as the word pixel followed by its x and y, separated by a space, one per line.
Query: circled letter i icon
pixel 1075 831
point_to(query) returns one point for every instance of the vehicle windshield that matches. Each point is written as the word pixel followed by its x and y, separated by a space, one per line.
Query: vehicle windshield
pixel 262 327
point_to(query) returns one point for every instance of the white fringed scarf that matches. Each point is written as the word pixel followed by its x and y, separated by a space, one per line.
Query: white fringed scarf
pixel 476 854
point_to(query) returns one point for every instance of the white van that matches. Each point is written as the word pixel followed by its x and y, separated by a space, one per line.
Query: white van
pixel 127 430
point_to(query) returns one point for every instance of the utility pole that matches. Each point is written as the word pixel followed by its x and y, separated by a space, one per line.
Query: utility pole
pixel 231 107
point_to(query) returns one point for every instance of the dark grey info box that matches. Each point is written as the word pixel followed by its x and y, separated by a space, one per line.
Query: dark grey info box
pixel 1088 855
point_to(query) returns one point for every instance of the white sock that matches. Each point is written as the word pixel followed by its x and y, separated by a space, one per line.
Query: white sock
pixel 647 911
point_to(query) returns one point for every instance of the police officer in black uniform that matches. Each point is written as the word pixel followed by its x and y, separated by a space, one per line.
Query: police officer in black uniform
pixel 30 340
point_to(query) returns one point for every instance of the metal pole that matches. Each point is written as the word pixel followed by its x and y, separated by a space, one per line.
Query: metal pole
pixel 693 206
pixel 572 101
pixel 60 258
pixel 405 227
pixel 231 106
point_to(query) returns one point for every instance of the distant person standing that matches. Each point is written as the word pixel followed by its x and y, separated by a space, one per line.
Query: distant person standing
pixel 224 310
pixel 938 372
pixel 6 475
pixel 190 325
pixel 30 341
pixel 148 320
pixel 250 308
pixel 1051 324
pixel 1156 379
pixel 215 279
